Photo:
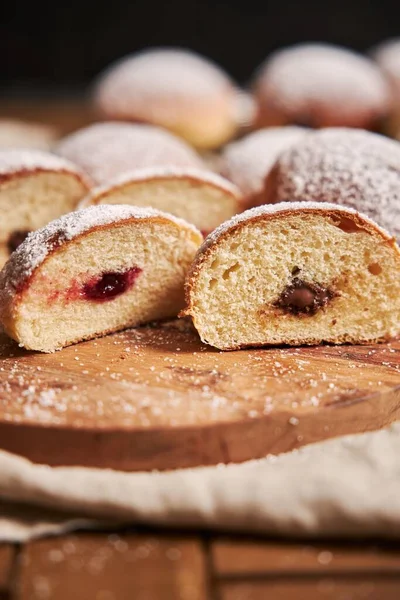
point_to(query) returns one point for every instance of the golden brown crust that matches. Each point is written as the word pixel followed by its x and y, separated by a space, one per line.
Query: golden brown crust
pixel 83 178
pixel 97 197
pixel 338 341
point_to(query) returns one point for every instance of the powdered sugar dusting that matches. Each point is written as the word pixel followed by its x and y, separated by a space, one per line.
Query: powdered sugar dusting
pixel 163 72
pixel 162 173
pixel 347 167
pixel 106 150
pixel 323 75
pixel 16 160
pixel 387 55
pixel 248 161
pixel 283 207
pixel 32 252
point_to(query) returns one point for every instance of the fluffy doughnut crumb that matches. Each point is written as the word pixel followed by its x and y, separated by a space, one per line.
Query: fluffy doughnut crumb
pixel 295 273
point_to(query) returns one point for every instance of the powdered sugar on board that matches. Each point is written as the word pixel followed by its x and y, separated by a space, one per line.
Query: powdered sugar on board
pixel 16 160
pixel 32 252
pixel 163 173
pixel 247 162
pixel 345 166
pixel 106 150
pixel 323 73
pixel 284 207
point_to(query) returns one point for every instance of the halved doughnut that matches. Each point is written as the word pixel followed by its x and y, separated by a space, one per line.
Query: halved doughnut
pixel 295 273
pixel 35 188
pixel 95 271
pixel 202 198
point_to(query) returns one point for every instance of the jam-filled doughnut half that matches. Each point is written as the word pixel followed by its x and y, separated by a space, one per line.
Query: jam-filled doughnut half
pixel 95 271
pixel 35 188
pixel 295 273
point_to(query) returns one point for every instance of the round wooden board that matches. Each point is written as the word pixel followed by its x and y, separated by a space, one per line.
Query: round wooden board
pixel 156 398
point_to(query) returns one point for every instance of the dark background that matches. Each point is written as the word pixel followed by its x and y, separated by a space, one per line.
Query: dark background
pixel 63 44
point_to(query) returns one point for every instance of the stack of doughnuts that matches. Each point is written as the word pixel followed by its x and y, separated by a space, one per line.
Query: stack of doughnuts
pixel 120 208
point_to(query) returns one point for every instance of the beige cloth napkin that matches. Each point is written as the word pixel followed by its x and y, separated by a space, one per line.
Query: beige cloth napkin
pixel 345 486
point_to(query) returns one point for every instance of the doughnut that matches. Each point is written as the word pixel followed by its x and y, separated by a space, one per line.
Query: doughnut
pixel 105 150
pixel 350 167
pixel 35 188
pixel 121 266
pixel 204 199
pixel 176 89
pixel 247 161
pixel 25 134
pixel 387 56
pixel 318 85
pixel 298 273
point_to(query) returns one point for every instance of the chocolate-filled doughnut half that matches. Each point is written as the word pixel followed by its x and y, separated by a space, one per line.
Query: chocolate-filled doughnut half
pixel 319 85
pixel 349 167
pixel 200 197
pixel 95 271
pixel 107 150
pixel 176 89
pixel 35 188
pixel 295 273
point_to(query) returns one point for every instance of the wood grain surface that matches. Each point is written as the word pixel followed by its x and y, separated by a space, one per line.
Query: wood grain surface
pixel 235 558
pixel 153 565
pixel 7 555
pixel 321 589
pixel 111 567
pixel 156 398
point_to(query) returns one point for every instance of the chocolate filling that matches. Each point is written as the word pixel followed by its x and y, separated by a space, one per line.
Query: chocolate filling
pixel 16 238
pixel 301 297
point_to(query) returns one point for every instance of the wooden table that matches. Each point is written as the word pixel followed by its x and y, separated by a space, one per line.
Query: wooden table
pixel 144 564
pixel 154 565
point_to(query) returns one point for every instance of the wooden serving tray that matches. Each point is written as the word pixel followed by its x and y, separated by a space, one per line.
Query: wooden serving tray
pixel 157 398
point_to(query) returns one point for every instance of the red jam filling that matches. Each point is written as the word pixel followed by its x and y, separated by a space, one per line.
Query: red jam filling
pixel 110 285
